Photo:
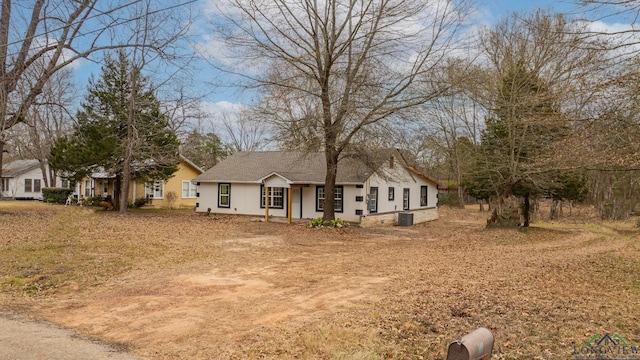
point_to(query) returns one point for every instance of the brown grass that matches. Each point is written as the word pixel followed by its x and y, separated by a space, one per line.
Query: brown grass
pixel 176 285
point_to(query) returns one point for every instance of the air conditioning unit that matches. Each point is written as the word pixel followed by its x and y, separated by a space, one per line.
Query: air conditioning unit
pixel 405 219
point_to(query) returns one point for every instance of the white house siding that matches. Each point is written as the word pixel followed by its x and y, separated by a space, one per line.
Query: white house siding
pixel 348 203
pixel 387 210
pixel 245 200
pixel 17 185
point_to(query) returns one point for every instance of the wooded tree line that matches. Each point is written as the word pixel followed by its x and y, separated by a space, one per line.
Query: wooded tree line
pixel 535 106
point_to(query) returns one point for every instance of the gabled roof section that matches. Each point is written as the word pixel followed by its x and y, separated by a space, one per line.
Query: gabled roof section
pixel 191 163
pixel 18 167
pixel 274 174
pixel 296 166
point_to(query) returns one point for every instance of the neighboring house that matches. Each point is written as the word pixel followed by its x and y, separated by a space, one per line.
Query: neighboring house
pixel 176 192
pixel 295 183
pixel 22 179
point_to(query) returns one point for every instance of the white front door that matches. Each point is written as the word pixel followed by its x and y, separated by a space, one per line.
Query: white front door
pixel 296 203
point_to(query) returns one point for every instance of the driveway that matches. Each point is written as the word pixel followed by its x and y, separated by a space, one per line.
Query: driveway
pixel 22 339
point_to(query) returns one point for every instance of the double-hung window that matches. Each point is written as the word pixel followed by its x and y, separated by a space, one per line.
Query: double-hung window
pixel 405 199
pixel 423 195
pixel 37 185
pixel 276 197
pixel 338 199
pixel 224 195
pixel 188 189
pixel 373 200
pixel 154 189
pixel 27 185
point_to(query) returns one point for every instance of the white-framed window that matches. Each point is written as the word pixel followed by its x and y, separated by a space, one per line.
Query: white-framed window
pixel 224 195
pixel 405 199
pixel 154 189
pixel 37 185
pixel 65 184
pixel 337 199
pixel 189 189
pixel 87 188
pixel 276 197
pixel 5 184
pixel 423 195
pixel 27 185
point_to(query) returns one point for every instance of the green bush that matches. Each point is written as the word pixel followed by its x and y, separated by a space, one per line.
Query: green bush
pixel 56 195
pixel 336 223
pixel 140 202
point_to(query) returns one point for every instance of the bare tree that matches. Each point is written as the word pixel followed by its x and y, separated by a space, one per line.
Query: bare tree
pixel 55 34
pixel 359 62
pixel 245 132
pixel 48 119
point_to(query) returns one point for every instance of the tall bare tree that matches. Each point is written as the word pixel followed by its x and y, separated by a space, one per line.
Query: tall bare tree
pixel 56 33
pixel 359 62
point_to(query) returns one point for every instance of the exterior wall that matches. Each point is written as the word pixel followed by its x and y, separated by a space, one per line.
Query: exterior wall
pixel 16 185
pixel 185 172
pixel 400 178
pixel 244 200
pixel 389 219
pixel 349 203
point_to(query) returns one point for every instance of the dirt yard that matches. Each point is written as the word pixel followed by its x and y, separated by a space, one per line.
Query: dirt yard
pixel 185 286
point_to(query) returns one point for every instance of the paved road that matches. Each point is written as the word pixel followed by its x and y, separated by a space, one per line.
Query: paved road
pixel 21 339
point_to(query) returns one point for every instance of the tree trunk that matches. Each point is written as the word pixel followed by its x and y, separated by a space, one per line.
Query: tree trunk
pixel 1 153
pixel 526 209
pixel 330 184
pixel 128 145
pixel 481 205
pixel 460 196
pixel 553 210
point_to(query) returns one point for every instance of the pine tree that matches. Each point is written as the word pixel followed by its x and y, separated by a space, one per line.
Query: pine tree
pixel 120 129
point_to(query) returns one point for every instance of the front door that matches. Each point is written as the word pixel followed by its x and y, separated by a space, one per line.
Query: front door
pixel 296 203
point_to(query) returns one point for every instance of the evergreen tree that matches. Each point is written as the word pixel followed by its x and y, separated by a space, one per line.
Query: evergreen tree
pixel 120 126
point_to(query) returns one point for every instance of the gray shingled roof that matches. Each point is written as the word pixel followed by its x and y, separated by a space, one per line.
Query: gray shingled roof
pixel 18 167
pixel 298 167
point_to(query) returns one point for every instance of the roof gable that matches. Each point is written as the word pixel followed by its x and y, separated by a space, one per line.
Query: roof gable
pixel 19 167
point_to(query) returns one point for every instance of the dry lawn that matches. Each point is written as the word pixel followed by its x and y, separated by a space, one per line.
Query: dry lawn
pixel 176 285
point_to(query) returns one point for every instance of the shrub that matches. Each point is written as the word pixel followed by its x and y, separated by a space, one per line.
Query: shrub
pixel 336 223
pixel 140 202
pixel 56 195
pixel 171 197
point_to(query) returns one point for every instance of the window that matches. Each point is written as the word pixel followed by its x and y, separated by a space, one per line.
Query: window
pixel 276 197
pixel 154 189
pixel 87 188
pixel 5 184
pixel 373 200
pixel 392 193
pixel 423 195
pixel 338 199
pixel 405 199
pixel 188 189
pixel 27 185
pixel 65 184
pixel 37 187
pixel 224 195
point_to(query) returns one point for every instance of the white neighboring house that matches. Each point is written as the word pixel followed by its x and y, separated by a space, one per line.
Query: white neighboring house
pixel 365 194
pixel 22 179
